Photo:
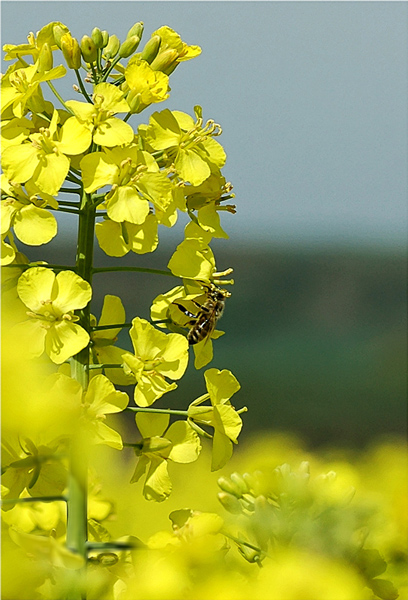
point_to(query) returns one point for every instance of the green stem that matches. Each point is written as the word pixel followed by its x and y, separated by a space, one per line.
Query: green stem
pixel 104 366
pixel 81 85
pixel 165 411
pixel 72 179
pixel 71 191
pixel 76 172
pixel 78 466
pixel 113 545
pixel 115 326
pixel 50 85
pixel 108 71
pixel 63 209
pixel 138 269
pixel 98 198
pixel 34 499
pixel 242 543
pixel 46 266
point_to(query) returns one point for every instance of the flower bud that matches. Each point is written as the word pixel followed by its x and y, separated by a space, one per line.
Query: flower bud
pixel 112 47
pixel 133 99
pixel 88 49
pixel 105 38
pixel 137 29
pixel 71 51
pixel 230 503
pixel 164 60
pixel 45 60
pixel 239 481
pixel 58 32
pixel 151 49
pixel 228 486
pixel 250 554
pixel 129 46
pixel 97 37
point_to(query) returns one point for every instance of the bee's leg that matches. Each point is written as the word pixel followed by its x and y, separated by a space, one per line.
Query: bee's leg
pixel 203 308
pixel 185 311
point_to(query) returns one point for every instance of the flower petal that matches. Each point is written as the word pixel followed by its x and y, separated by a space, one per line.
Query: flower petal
pixel 30 336
pixel 112 312
pixel 73 292
pixel 65 339
pixel 113 355
pixel 103 434
pixel 113 132
pixel 150 388
pixel 20 162
pixel 110 238
pixel 158 484
pixel 175 356
pixel 51 172
pixel 150 424
pixel 35 226
pixel 34 286
pixel 221 385
pixel 126 205
pixel 104 398
pixel 98 170
pixel 221 451
pixel 75 138
pixel 186 443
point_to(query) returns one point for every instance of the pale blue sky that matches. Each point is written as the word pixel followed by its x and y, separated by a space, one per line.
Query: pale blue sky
pixel 311 97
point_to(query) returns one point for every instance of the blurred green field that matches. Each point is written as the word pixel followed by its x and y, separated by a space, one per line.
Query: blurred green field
pixel 316 336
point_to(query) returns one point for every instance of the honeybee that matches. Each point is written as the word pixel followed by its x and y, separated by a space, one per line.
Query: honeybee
pixel 203 323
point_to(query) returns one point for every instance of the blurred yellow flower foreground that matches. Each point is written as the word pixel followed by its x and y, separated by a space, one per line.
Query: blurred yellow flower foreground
pixel 276 532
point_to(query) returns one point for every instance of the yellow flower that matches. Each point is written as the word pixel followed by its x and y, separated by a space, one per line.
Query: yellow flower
pixel 106 129
pixel 135 178
pixel 146 85
pixel 186 142
pixel 221 415
pixel 25 213
pixel 51 326
pixel 172 42
pixel 20 89
pixel 117 239
pixel 35 43
pixel 156 357
pixel 161 443
pixel 42 158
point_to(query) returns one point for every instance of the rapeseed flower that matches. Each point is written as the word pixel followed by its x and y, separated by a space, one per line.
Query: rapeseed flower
pixel 146 86
pixel 98 118
pixel 21 91
pixel 51 326
pixel 157 356
pixel 35 42
pixel 23 211
pixel 221 415
pixel 41 159
pixel 186 143
pixel 161 443
pixel 135 179
pixel 117 239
